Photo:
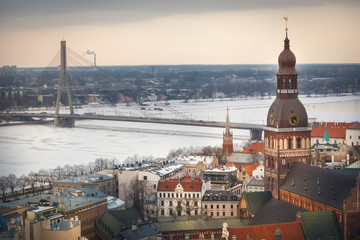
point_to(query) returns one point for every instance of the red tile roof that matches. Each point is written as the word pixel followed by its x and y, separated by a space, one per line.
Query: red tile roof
pixel 335 129
pixel 250 168
pixel 255 148
pixel 355 125
pixel 288 231
pixel 240 165
pixel 187 183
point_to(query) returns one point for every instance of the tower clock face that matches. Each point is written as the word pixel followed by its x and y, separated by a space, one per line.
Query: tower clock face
pixel 272 119
pixel 294 120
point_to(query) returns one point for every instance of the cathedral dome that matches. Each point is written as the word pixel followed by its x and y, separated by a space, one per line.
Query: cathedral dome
pixel 287 60
pixel 287 113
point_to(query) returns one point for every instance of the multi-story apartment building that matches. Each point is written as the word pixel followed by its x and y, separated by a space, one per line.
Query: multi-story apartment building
pixel 223 177
pixel 103 183
pixel 220 204
pixel 178 197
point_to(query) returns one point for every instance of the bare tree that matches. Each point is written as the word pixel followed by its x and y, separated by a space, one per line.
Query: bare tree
pixel 137 193
pixel 33 180
pixel 22 182
pixel 11 183
pixel 3 185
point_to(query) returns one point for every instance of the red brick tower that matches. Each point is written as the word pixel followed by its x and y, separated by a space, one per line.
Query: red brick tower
pixel 287 136
pixel 227 137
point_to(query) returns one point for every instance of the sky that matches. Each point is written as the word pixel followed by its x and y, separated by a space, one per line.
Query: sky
pixel 170 32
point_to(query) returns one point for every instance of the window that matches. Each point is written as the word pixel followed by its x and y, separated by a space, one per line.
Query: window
pixel 232 206
pixel 205 206
pixel 217 214
pixel 179 203
pixel 170 203
pixel 145 177
pixel 289 141
pixel 154 186
pixel 196 212
pixel 197 195
pixel 172 195
pixel 284 84
pixel 195 203
pixel 170 212
pixel 212 206
pixel 224 206
pixel 298 143
pixel 168 195
pixel 187 203
pixel 211 214
pixel 223 214
pixel 162 212
pixel 232 214
pixel 217 206
pixel 162 203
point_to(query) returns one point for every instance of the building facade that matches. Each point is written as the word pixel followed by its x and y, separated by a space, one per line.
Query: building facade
pixel 180 197
pixel 287 135
pixel 220 204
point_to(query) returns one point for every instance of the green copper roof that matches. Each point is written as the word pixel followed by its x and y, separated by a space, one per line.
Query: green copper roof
pixel 321 225
pixel 326 136
pixel 256 200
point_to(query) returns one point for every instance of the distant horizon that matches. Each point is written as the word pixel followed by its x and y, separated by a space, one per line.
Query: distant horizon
pixel 195 64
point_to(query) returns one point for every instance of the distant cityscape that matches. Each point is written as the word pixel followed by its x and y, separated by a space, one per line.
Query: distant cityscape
pixel 36 87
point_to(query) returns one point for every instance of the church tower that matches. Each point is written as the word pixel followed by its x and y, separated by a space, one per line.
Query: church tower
pixel 227 137
pixel 287 134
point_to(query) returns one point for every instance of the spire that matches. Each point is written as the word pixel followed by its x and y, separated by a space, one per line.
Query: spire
pixel 227 126
pixel 326 136
pixel 286 41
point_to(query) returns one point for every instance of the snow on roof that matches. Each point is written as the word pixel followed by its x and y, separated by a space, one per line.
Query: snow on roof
pixel 166 169
pixel 229 168
pixel 42 208
pixel 194 159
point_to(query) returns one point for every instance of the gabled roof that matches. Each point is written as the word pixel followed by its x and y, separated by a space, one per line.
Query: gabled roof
pixel 186 182
pixel 288 231
pixel 322 185
pixel 255 148
pixel 256 200
pixel 250 168
pixel 276 211
pixel 335 130
pixel 321 225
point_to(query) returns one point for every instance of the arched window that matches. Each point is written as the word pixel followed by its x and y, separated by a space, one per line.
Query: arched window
pixel 290 142
pixel 298 143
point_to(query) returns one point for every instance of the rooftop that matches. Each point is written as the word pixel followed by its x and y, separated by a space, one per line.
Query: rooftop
pixel 257 147
pixel 142 231
pixel 335 129
pixel 256 182
pixel 220 195
pixel 288 231
pixel 69 200
pixel 194 159
pixel 227 168
pixel 172 225
pixel 321 185
pixel 87 179
pixel 186 182
pixel 64 225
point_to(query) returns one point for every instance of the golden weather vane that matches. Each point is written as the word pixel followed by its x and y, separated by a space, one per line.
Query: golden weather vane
pixel 286 19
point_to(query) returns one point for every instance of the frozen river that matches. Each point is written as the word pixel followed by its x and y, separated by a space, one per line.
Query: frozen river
pixel 30 147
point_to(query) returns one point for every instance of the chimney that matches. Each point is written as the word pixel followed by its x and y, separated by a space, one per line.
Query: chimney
pixel 60 201
pixel 134 227
pixel 71 222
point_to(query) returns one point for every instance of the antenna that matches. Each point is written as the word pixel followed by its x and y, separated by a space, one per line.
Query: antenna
pixel 286 28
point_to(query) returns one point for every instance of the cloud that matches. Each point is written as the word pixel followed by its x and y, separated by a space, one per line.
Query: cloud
pixel 50 13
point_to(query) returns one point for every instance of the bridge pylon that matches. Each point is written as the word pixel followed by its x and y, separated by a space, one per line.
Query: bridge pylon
pixel 69 122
